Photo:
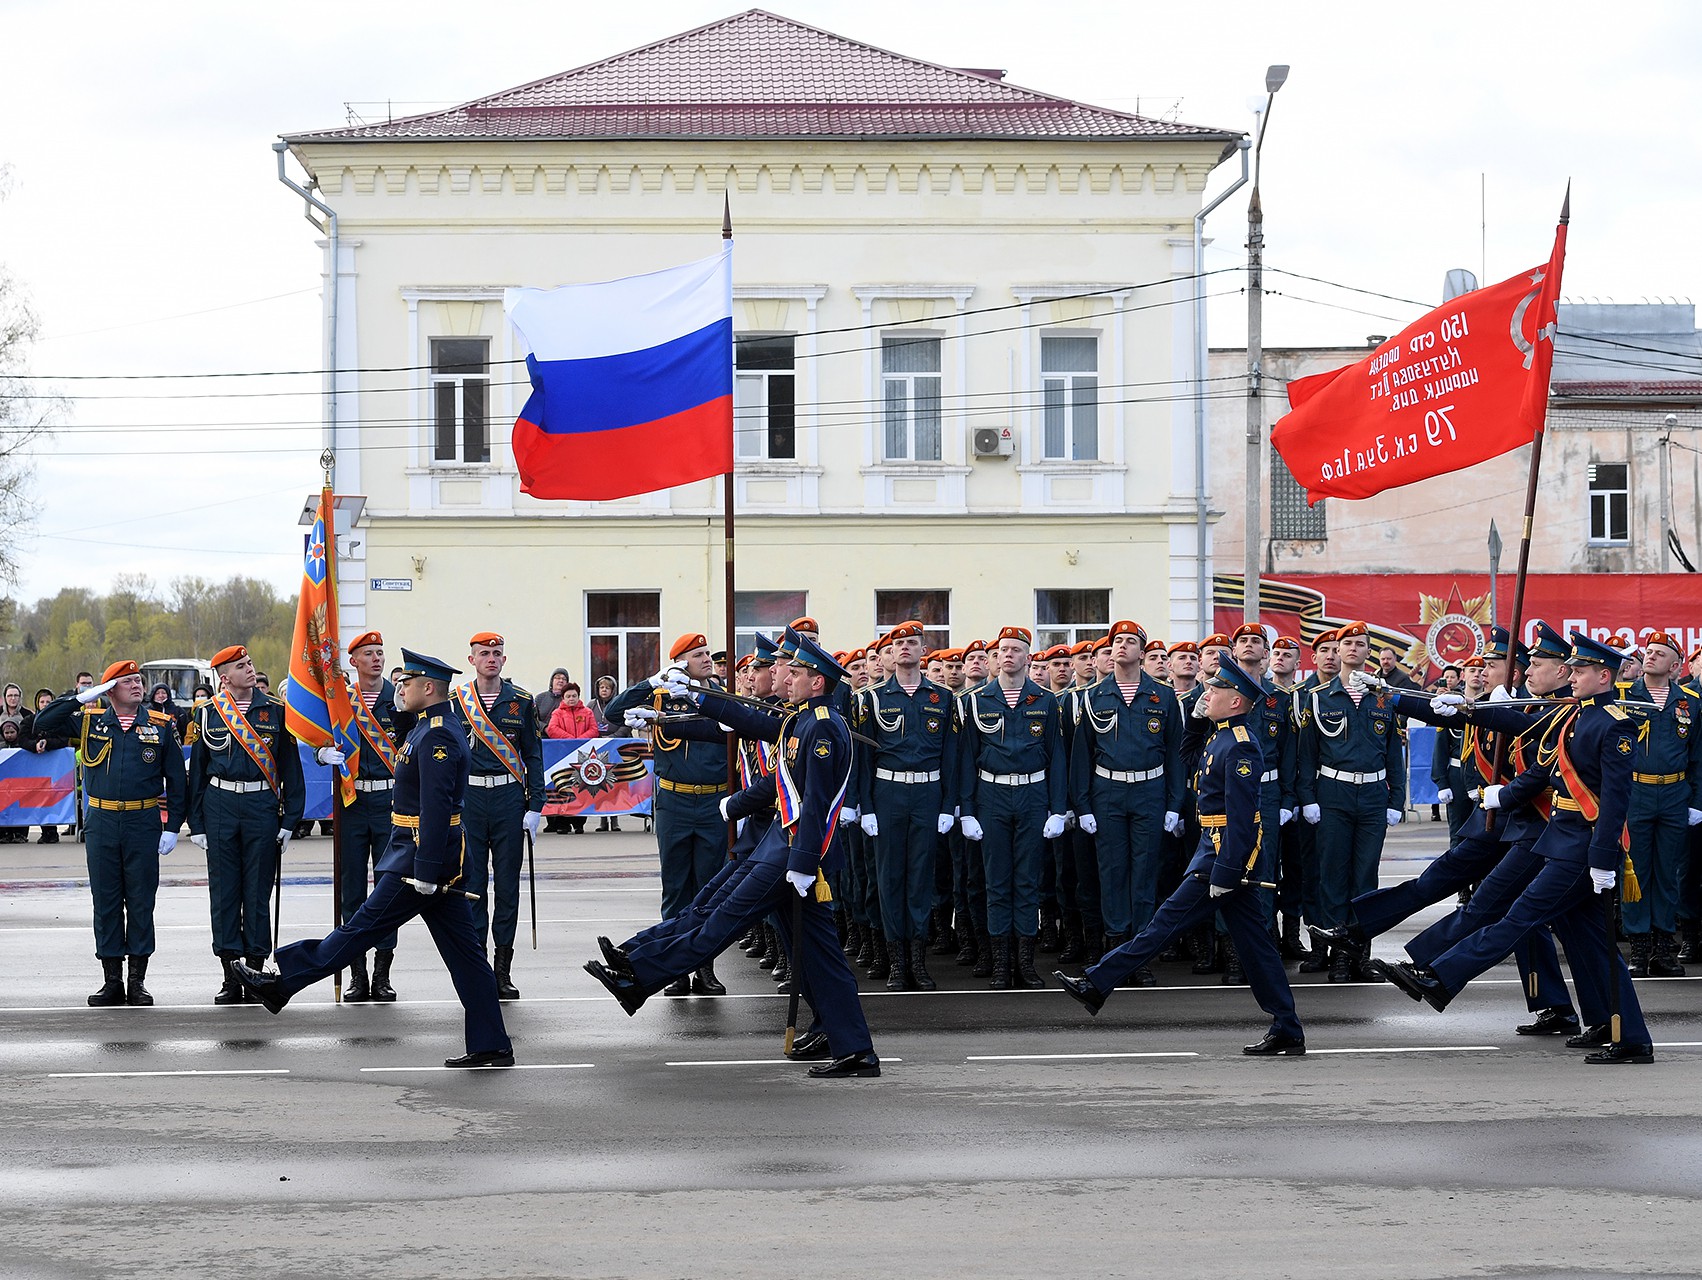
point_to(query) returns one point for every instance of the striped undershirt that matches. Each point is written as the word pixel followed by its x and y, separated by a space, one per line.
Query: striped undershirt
pixel 1128 689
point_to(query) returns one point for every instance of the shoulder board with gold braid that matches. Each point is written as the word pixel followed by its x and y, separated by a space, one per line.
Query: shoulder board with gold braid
pixel 518 689
pixel 1241 734
pixel 821 713
pixel 1616 711
pixel 162 717
pixel 436 722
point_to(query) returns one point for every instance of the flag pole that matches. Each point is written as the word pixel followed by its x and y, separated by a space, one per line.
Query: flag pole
pixel 328 461
pixel 727 641
pixel 1498 765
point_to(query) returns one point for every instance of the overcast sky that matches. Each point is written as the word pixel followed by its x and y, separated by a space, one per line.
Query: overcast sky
pixel 146 221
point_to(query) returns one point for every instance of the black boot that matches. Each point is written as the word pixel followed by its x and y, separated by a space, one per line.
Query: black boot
pixel 705 983
pixel 984 954
pixel 505 988
pixel 751 938
pixel 946 943
pixel 1001 968
pixel 898 976
pixel 138 994
pixel 880 963
pixel 782 966
pixel 112 989
pixel 1232 974
pixel 1074 951
pixel 770 948
pixel 1317 959
pixel 1093 938
pixel 1663 957
pixel 968 950
pixel 853 940
pixel 258 964
pixel 382 991
pixel 1341 965
pixel 359 989
pixel 1690 933
pixel 231 992
pixel 1639 962
pixel 1292 947
pixel 919 975
pixel 1048 940
pixel 1025 974
pixel 1208 955
pixel 866 948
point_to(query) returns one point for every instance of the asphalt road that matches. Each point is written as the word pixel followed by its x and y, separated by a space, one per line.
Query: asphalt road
pixel 1010 1135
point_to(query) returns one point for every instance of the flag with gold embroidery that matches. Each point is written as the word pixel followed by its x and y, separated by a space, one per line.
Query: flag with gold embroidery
pixel 317 708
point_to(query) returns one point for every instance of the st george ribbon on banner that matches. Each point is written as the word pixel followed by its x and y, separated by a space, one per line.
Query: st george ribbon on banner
pixel 632 382
pixel 1466 383
pixel 316 705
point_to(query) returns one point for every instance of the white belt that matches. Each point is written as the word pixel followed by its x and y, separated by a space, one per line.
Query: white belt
pixel 244 788
pixel 1129 775
pixel 1269 775
pixel 1455 764
pixel 491 780
pixel 1011 779
pixel 1357 779
pixel 897 775
pixel 374 784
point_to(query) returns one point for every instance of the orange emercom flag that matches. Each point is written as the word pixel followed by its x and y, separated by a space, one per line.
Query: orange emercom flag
pixel 1466 383
pixel 317 707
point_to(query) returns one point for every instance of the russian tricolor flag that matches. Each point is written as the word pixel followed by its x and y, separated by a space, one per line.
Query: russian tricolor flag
pixel 632 382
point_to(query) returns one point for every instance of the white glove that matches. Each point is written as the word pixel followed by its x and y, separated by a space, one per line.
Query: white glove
pixel 1499 694
pixel 674 681
pixel 1284 817
pixel 533 822
pixel 739 827
pixel 168 842
pixel 330 756
pixel 945 823
pixel 94 691
pixel 1447 705
pixel 1054 827
pixel 1695 816
pixel 871 827
pixel 847 817
pixel 421 886
pixel 1173 822
pixel 667 675
pixel 1393 816
pixel 285 835
pixel 801 882
pixel 1445 796
pixel 1089 824
pixel 640 717
pixel 725 801
pixel 1218 891
pixel 971 828
pixel 1312 813
pixel 1199 711
pixel 1492 797
pixel 1602 881
pixel 200 842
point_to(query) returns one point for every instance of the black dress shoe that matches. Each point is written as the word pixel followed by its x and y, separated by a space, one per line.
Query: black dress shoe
pixel 486 1058
pixel 1343 938
pixel 1420 984
pixel 866 1063
pixel 1550 1022
pixel 810 1047
pixel 263 985
pixel 705 983
pixel 630 997
pixel 1276 1045
pixel 1081 991
pixel 617 959
pixel 1592 1037
pixel 678 987
pixel 1621 1055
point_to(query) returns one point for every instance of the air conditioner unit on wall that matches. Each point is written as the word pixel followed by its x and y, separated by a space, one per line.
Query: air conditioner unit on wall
pixel 993 442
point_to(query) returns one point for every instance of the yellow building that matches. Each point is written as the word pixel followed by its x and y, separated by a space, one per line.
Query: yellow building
pixel 964 349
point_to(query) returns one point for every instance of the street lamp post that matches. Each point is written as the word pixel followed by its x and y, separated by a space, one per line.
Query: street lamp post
pixel 1274 78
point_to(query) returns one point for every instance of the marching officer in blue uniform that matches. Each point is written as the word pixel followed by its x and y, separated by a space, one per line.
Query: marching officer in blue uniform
pixel 1584 755
pixel 1351 783
pixel 1226 788
pixel 1269 719
pixel 909 796
pixel 423 872
pixel 245 798
pixel 1014 795
pixel 505 797
pixel 1284 682
pixel 813 775
pixel 133 776
pixel 363 827
pixel 1666 801
pixel 1126 784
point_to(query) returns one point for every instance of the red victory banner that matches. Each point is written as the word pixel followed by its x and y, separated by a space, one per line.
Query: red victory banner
pixel 1466 383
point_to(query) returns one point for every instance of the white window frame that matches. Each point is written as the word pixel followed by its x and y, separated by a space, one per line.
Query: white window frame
pixel 1601 501
pixel 937 337
pixel 459 383
pixel 749 443
pixel 744 633
pixel 935 635
pixel 1067 383
pixel 623 677
pixel 1047 634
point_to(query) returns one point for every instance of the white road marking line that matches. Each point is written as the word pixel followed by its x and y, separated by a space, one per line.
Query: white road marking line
pixel 759 1062
pixel 1678 1044
pixel 519 1066
pixel 95 1075
pixel 1062 1057
pixel 1432 1048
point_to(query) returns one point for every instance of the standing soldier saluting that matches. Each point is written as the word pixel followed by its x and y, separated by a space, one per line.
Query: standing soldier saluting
pixel 245 798
pixel 505 795
pixel 130 756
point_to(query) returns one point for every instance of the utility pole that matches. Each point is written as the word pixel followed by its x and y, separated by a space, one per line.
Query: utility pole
pixel 1667 425
pixel 1274 78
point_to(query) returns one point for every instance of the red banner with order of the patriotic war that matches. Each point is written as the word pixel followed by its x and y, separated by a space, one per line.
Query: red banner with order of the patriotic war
pixel 1466 383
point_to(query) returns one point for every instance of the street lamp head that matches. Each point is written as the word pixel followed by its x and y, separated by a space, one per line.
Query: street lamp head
pixel 1275 75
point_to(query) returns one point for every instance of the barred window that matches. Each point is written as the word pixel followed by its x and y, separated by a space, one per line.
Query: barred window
pixel 1291 518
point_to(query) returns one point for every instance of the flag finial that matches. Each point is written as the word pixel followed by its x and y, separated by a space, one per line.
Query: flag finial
pixel 1566 205
pixel 726 216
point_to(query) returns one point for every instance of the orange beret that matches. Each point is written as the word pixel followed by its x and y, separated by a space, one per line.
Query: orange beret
pixel 230 653
pixel 1104 642
pixel 1285 642
pixel 686 643
pixel 1624 643
pixel 1184 646
pixel 1127 628
pixel 1325 637
pixel 118 670
pixel 904 631
pixel 1155 646
pixel 1247 629
pixel 744 662
pixel 805 623
pixel 856 655
pixel 365 638
pixel 1475 662
pixel 489 639
pixel 974 646
pixel 1662 637
pixel 1080 647
pixel 1020 634
pixel 1216 640
pixel 1351 629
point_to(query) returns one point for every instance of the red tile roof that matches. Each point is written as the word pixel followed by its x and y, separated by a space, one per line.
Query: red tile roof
pixel 759 75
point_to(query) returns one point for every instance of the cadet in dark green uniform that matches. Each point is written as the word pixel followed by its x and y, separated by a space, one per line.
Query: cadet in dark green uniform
pixel 130 757
pixel 245 798
pixel 505 794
